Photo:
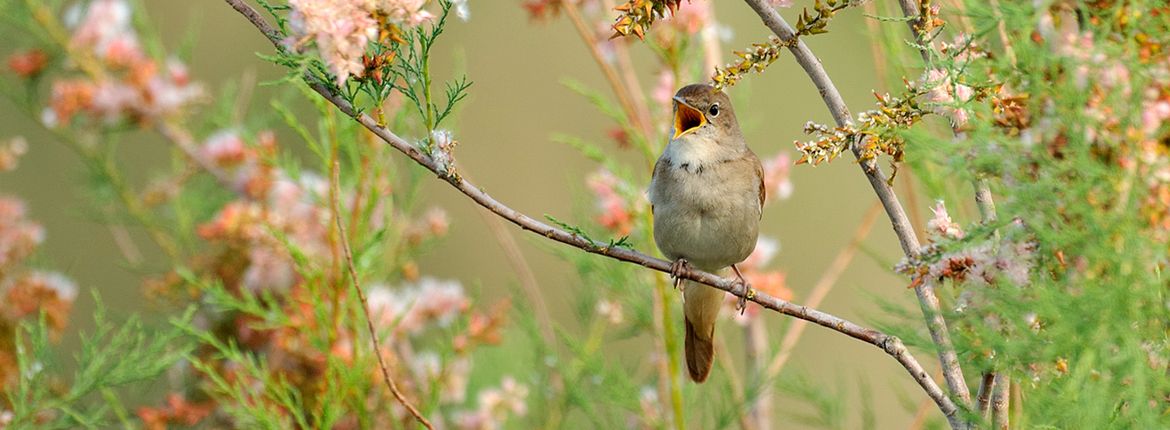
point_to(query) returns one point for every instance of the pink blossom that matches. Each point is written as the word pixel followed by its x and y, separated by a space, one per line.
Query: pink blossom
pixel 941 224
pixel 664 89
pixel 106 30
pixel 408 12
pixel 11 151
pixel 777 181
pixel 1154 114
pixel 19 237
pixel 781 3
pixel 651 409
pixel 436 221
pixel 614 212
pixel 414 306
pixel 269 269
pixel 341 30
pixel 495 406
pixel 134 89
pixel 945 95
pixel 691 16
pixel 224 148
pixel 605 45
pixel 61 286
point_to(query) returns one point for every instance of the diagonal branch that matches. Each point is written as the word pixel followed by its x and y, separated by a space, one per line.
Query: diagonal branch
pixel 889 344
pixel 927 299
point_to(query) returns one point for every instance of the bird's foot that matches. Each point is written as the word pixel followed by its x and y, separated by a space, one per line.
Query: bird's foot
pixel 678 269
pixel 748 292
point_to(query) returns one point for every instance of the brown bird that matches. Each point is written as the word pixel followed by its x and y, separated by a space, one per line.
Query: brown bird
pixel 707 196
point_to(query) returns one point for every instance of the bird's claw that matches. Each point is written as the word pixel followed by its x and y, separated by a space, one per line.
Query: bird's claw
pixel 678 269
pixel 748 292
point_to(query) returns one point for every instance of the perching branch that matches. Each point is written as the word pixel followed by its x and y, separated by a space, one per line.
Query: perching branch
pixel 890 344
pixel 927 299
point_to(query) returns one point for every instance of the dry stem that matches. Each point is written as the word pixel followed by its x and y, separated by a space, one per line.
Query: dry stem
pixel 334 208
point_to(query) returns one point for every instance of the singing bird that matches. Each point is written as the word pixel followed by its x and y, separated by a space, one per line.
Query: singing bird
pixel 707 196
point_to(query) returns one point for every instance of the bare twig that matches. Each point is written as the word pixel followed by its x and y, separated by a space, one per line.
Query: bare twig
pixel 907 238
pixel 334 208
pixel 889 344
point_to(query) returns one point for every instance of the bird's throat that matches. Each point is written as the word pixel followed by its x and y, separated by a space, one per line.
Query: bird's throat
pixel 687 119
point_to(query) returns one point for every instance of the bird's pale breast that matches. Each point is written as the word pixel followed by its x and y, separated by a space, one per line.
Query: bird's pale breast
pixel 710 216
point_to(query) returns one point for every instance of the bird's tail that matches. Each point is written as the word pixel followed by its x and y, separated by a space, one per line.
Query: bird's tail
pixel 701 305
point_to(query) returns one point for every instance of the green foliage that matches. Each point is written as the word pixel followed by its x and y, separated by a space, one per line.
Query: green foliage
pixel 1061 139
pixel 110 358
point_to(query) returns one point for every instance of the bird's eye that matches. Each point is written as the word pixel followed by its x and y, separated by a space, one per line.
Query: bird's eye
pixel 713 110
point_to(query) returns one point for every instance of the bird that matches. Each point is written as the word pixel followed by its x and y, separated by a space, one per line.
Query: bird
pixel 706 196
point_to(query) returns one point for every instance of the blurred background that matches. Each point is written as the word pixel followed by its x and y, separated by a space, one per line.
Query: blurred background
pixel 517 103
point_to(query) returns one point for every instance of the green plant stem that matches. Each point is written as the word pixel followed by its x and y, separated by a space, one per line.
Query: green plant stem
pixel 670 343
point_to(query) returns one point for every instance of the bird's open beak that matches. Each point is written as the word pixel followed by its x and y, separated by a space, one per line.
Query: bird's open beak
pixel 686 118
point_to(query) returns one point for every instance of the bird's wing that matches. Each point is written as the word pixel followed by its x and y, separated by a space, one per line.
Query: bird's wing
pixel 763 189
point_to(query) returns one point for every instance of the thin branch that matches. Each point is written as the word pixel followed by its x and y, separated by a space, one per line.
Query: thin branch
pixel 889 344
pixel 334 207
pixel 907 238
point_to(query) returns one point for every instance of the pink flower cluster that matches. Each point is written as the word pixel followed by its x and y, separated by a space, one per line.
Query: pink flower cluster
pixel 777 180
pixel 983 264
pixel 691 17
pixel 413 307
pixel 19 237
pixel 946 97
pixel 495 406
pixel 343 29
pixel 24 293
pixel 940 226
pixel 10 153
pixel 122 83
pixel 615 213
pixel 275 209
